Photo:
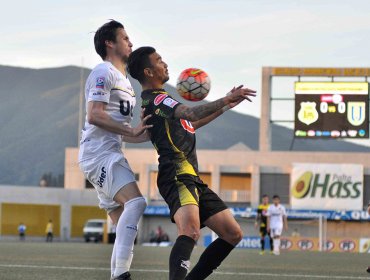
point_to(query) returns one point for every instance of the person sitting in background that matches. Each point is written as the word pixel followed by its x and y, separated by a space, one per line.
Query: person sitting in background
pixel 22 231
pixel 295 233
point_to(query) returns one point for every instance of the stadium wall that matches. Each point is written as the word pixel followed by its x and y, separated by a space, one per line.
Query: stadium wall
pixel 34 206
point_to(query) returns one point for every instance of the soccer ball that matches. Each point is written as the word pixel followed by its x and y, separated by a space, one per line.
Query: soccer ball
pixel 193 84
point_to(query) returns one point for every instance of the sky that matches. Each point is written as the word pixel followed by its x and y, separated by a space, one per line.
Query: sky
pixel 230 39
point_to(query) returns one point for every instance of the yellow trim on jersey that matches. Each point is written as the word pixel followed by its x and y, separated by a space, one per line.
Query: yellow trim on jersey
pixel 185 166
pixel 186 197
pixel 124 90
pixel 263 207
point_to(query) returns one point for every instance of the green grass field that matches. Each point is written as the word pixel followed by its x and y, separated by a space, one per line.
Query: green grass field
pixel 72 261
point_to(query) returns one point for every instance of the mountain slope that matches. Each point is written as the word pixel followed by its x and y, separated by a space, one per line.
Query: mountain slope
pixel 39 118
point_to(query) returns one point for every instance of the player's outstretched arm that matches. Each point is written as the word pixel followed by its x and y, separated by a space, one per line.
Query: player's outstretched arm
pixel 207 120
pixel 197 113
pixel 97 115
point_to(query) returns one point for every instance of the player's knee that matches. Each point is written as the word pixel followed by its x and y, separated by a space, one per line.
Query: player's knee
pixel 190 230
pixel 137 204
pixel 235 235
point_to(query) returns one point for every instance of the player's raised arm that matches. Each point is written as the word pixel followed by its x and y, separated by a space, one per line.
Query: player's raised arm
pixel 97 115
pixel 207 120
pixel 199 112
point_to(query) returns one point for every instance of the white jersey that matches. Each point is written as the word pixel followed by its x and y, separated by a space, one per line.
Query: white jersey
pixel 106 84
pixel 276 214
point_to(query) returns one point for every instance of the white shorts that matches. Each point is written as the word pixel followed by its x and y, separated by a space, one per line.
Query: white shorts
pixel 108 174
pixel 276 231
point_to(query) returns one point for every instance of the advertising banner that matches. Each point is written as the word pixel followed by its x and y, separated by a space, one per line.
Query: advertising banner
pixel 326 186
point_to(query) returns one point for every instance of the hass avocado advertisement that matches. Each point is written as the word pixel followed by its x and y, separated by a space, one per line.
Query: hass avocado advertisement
pixel 326 186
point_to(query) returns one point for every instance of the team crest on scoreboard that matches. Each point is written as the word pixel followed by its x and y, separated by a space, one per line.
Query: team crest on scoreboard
pixel 308 113
pixel 356 113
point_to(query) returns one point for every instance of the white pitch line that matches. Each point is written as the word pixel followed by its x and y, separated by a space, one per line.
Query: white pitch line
pixel 166 271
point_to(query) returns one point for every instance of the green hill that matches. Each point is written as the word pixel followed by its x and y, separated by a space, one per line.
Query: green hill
pixel 39 119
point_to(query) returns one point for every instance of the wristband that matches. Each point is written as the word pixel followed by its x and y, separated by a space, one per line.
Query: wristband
pixel 225 108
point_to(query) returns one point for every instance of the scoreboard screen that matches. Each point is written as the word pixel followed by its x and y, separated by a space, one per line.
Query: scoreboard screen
pixel 331 110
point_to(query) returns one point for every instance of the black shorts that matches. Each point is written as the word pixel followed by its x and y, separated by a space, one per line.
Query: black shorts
pixel 189 190
pixel 263 231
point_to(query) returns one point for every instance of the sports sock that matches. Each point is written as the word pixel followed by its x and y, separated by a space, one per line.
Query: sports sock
pixel 113 259
pixel 180 257
pixel 277 244
pixel 126 233
pixel 263 244
pixel 271 244
pixel 210 259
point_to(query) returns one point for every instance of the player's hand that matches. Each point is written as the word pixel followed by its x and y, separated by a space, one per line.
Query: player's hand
pixel 142 127
pixel 239 94
pixel 233 104
pixel 268 229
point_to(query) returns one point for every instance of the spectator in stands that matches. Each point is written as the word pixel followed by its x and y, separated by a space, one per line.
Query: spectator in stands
pixel 22 231
pixel 295 233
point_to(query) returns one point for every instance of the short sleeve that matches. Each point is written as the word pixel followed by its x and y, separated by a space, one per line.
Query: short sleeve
pixel 164 106
pixel 268 212
pixel 100 84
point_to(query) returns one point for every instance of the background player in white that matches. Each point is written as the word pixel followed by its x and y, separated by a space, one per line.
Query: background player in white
pixel 276 222
pixel 110 100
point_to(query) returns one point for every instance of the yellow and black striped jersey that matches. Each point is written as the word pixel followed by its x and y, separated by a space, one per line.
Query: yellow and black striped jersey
pixel 174 139
pixel 262 212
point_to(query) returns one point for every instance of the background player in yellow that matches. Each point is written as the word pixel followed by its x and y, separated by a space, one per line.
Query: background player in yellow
pixel 261 220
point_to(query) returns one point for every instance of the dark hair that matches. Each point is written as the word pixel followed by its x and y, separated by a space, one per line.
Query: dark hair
pixel 276 196
pixel 138 61
pixel 106 32
pixel 265 195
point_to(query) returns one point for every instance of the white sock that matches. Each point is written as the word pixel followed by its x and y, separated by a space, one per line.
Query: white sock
pixel 126 233
pixel 113 259
pixel 277 244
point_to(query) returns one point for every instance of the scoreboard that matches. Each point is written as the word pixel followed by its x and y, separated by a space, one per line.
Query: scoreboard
pixel 331 110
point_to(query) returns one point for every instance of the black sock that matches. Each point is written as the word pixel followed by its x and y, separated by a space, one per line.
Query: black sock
pixel 180 256
pixel 271 244
pixel 263 244
pixel 210 259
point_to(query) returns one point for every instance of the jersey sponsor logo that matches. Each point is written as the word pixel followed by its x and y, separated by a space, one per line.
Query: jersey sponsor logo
pixel 160 113
pixel 99 93
pixel 100 82
pixel 170 102
pixel 187 126
pixel 102 177
pixel 159 99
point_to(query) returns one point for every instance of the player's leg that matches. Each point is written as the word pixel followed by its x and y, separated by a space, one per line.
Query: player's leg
pixel 114 216
pixel 188 227
pixel 275 234
pixel 271 242
pixel 230 234
pixel 262 235
pixel 134 204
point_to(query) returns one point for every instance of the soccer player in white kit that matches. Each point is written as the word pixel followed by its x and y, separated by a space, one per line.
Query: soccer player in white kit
pixel 276 222
pixel 110 100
